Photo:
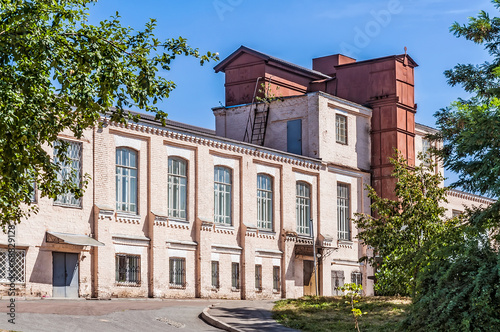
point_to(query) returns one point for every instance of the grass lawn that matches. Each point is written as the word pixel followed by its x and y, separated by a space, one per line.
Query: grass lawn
pixel 311 313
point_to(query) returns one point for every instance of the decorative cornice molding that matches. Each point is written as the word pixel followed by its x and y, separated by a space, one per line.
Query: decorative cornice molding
pixel 215 143
pixel 470 197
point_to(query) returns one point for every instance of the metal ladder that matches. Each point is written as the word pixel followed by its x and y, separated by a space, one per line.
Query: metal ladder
pixel 257 132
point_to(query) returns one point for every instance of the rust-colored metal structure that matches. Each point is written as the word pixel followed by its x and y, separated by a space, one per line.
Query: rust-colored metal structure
pixel 386 85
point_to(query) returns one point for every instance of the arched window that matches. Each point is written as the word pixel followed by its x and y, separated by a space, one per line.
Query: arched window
pixel 222 195
pixel 264 202
pixel 303 207
pixel 126 180
pixel 177 188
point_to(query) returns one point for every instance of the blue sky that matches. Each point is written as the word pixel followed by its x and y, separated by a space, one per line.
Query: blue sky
pixel 298 31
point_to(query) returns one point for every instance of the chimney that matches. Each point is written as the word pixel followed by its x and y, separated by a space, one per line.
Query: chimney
pixel 326 64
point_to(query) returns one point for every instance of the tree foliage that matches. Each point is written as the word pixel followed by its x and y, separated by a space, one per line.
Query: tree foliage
pixel 460 289
pixel 400 231
pixel 470 129
pixel 57 73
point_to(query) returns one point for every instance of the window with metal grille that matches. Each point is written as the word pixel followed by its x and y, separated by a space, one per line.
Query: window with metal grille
pixel 177 188
pixel 276 279
pixel 177 272
pixel 303 207
pixel 264 202
pixel 258 277
pixel 343 214
pixel 235 276
pixel 70 170
pixel 337 282
pixel 126 180
pixel 215 275
pixel 341 129
pixel 12 267
pixel 128 269
pixel 222 195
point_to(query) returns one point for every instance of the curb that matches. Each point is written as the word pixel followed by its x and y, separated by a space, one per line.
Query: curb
pixel 216 322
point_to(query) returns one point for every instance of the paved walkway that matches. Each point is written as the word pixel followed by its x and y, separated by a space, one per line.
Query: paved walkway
pixel 245 315
pixel 140 315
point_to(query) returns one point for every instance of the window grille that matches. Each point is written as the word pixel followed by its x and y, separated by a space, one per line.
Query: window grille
pixel 177 188
pixel 341 129
pixel 215 275
pixel 356 278
pixel 264 202
pixel 235 276
pixel 303 208
pixel 343 215
pixel 276 279
pixel 222 195
pixel 126 180
pixel 70 170
pixel 258 277
pixel 128 269
pixel 13 269
pixel 337 282
pixel 177 272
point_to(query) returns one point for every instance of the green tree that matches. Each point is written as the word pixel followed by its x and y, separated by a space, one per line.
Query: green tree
pixel 58 72
pixel 470 129
pixel 400 231
pixel 459 290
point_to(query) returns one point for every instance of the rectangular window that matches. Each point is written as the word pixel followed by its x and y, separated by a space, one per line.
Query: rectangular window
pixel 337 282
pixel 303 208
pixel 294 136
pixel 426 145
pixel 258 277
pixel 126 180
pixel 341 129
pixel 264 202
pixel 177 272
pixel 222 195
pixel 177 188
pixel 71 171
pixel 215 275
pixel 356 278
pixel 128 269
pixel 276 279
pixel 235 276
pixel 343 214
pixel 12 267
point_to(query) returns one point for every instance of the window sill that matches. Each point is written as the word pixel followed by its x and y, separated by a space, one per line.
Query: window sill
pixel 224 226
pixel 128 284
pixel 127 215
pixel 4 282
pixel 71 206
pixel 235 289
pixel 178 222
pixel 174 286
pixel 347 242
pixel 267 231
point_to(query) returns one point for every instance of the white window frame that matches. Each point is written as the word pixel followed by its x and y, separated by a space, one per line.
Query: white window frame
pixel 5 267
pixel 177 188
pixel 303 207
pixel 341 129
pixel 130 174
pixel 343 211
pixel 69 170
pixel 222 195
pixel 264 202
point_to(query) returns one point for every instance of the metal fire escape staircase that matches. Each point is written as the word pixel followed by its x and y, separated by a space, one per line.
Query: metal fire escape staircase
pixel 255 130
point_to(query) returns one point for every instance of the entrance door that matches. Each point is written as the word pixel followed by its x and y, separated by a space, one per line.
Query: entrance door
pixel 64 274
pixel 309 278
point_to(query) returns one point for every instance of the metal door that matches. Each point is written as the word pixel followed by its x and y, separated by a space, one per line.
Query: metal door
pixel 294 136
pixel 64 274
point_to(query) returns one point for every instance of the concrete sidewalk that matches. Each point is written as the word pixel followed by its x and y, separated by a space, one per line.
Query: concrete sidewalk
pixel 243 315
